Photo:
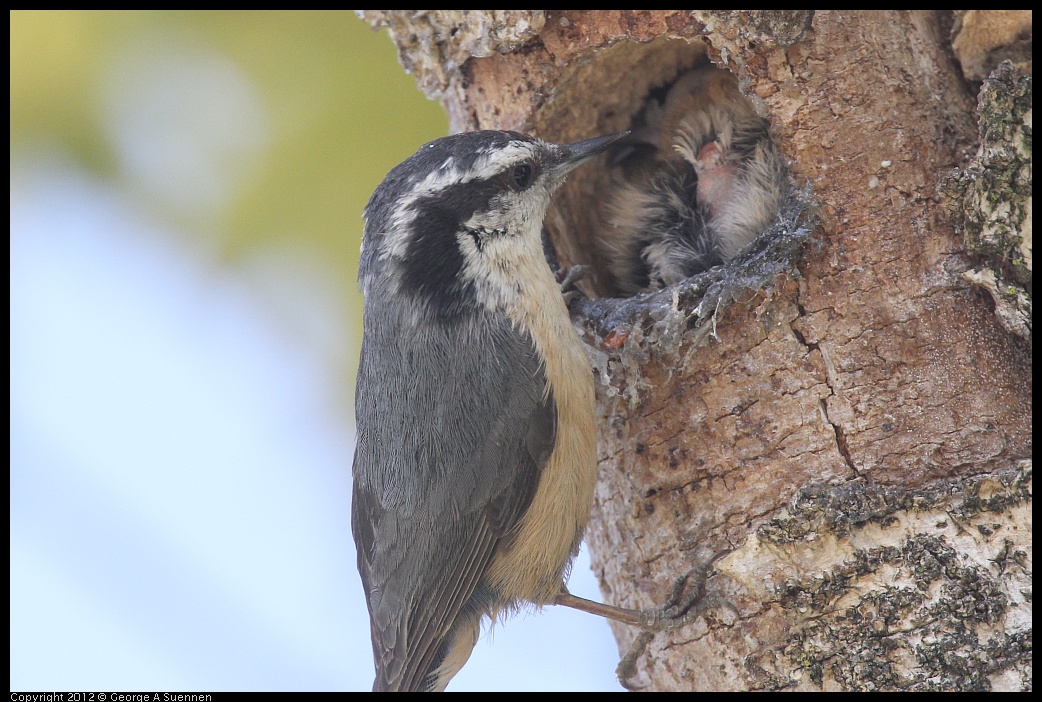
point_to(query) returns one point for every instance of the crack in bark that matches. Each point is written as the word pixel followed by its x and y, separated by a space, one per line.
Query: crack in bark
pixel 840 434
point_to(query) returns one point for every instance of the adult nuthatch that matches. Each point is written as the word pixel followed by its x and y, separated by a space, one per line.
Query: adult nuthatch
pixel 698 181
pixel 475 463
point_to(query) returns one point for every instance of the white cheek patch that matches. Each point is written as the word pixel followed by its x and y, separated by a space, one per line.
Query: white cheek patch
pixel 495 219
pixel 502 244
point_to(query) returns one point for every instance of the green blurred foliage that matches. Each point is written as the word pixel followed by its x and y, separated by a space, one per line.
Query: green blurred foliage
pixel 341 113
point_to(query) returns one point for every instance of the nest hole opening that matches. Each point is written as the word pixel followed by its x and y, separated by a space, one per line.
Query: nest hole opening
pixel 684 175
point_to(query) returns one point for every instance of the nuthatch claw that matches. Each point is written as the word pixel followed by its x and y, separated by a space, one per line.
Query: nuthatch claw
pixel 567 279
pixel 685 605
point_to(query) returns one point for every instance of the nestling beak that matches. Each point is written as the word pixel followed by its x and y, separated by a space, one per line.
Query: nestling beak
pixel 572 156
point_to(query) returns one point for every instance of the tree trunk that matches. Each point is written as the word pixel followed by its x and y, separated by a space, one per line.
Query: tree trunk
pixel 847 414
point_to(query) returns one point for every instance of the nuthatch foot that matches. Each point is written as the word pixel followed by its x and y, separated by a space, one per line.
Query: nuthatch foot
pixel 475 463
pixel 697 181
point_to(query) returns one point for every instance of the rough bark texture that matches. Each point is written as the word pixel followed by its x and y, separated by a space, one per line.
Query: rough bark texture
pixel 848 408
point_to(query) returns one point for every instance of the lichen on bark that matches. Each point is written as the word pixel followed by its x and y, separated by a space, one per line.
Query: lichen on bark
pixel 991 198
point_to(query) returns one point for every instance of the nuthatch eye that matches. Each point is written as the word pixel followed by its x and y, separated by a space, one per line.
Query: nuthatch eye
pixel 697 181
pixel 475 463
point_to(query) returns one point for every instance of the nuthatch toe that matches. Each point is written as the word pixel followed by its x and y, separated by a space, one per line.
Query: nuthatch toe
pixel 475 463
pixel 697 181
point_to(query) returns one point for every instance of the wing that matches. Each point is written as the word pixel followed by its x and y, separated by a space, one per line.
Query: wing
pixel 453 431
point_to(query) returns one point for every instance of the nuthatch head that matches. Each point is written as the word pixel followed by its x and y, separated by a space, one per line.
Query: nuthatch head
pixel 475 463
pixel 697 181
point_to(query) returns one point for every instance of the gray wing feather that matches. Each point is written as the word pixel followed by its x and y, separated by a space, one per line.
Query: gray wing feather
pixel 453 431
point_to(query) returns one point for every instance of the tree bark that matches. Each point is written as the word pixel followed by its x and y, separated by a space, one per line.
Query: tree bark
pixel 848 416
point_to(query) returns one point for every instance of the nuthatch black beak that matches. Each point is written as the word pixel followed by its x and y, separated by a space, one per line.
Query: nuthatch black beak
pixel 574 155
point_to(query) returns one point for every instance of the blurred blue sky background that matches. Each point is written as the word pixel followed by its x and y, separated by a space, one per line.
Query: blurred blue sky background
pixel 186 196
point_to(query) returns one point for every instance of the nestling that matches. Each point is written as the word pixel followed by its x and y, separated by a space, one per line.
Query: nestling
pixel 475 463
pixel 697 181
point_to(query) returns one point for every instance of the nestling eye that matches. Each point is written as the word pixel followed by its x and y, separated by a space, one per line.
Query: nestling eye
pixel 522 175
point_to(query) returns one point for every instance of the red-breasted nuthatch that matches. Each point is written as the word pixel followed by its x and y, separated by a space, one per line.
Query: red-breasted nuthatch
pixel 475 463
pixel 697 181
